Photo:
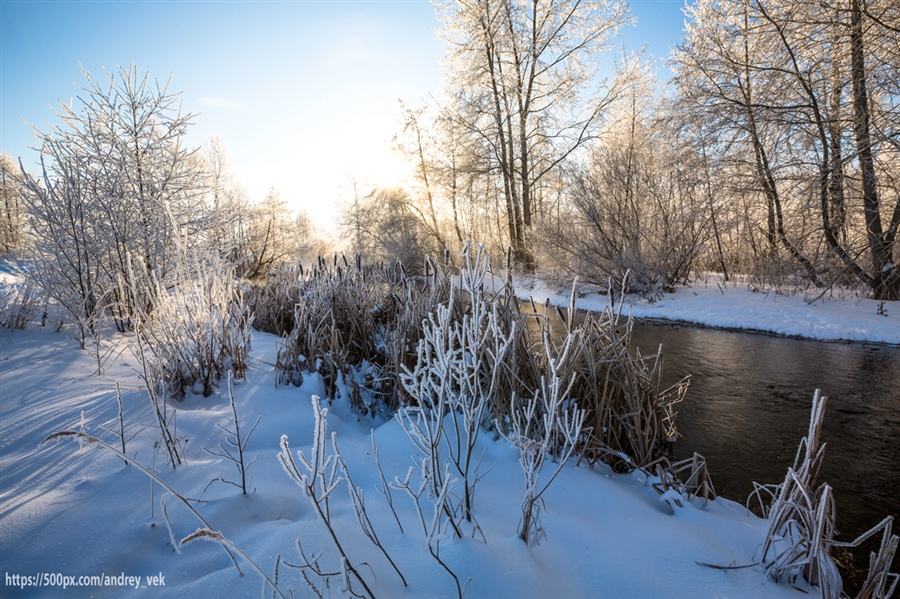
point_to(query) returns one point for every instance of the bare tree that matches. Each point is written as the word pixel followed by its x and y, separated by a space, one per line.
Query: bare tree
pixel 637 204
pixel 789 84
pixel 415 143
pixel 116 186
pixel 12 213
pixel 519 75
pixel 270 236
pixel 385 225
pixel 66 249
pixel 226 210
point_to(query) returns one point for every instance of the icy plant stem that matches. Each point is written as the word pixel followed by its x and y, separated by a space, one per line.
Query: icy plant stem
pixel 359 504
pixel 149 383
pixel 535 432
pixel 234 439
pixel 208 534
pixel 95 441
pixel 121 419
pixel 385 487
pixel 237 435
pixel 316 484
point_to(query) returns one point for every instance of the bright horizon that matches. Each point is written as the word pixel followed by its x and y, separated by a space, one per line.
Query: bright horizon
pixel 303 95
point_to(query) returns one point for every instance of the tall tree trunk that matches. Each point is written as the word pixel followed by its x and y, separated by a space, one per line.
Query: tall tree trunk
pixel 836 199
pixel 771 191
pixel 453 193
pixel 505 159
pixel 420 150
pixel 748 95
pixel 885 272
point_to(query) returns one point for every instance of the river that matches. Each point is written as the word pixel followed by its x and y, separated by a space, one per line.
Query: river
pixel 748 407
pixel 749 404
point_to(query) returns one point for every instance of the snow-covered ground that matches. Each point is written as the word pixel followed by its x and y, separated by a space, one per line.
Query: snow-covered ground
pixel 71 511
pixel 712 303
pixel 78 512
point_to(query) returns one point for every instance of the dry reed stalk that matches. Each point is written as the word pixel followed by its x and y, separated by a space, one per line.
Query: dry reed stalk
pixel 880 582
pixel 628 413
pixel 697 483
pixel 802 525
pixel 802 518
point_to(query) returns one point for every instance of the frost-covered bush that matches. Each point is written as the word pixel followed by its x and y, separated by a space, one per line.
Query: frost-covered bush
pixel 19 304
pixel 546 426
pixel 356 325
pixel 199 328
pixel 117 187
pixel 459 363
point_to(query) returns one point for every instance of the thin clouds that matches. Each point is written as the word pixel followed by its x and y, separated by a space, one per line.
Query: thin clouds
pixel 217 102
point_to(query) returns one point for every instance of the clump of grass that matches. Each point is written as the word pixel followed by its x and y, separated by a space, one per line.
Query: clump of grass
pixel 198 329
pixel 359 326
pixel 630 415
pixel 802 518
pixel 272 300
pixel 802 528
pixel 696 483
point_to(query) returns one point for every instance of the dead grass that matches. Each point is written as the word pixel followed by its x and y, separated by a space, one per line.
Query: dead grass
pixel 802 532
pixel 358 325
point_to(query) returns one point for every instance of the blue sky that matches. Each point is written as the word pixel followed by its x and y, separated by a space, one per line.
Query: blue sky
pixel 302 93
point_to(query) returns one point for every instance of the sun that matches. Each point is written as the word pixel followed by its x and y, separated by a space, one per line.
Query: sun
pixel 380 165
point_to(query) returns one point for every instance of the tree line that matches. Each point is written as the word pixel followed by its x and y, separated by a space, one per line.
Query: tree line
pixel 773 153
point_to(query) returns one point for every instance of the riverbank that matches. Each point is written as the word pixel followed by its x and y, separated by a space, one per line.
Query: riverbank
pixel 79 511
pixel 711 303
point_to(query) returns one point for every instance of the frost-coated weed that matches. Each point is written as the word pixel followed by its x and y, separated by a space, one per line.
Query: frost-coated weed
pixel 199 329
pixel 802 531
pixel 318 479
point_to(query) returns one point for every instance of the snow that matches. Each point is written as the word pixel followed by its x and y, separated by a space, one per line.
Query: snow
pixel 74 510
pixel 712 303
pixel 81 511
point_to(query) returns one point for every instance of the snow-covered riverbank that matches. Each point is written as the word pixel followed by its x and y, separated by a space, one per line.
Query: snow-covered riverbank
pixel 82 511
pixel 714 304
pixel 69 512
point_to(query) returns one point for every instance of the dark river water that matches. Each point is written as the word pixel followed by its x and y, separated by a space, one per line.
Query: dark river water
pixel 749 404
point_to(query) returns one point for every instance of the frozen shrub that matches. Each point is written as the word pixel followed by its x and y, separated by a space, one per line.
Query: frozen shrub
pixel 199 327
pixel 355 323
pixel 546 426
pixel 458 367
pixel 19 305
